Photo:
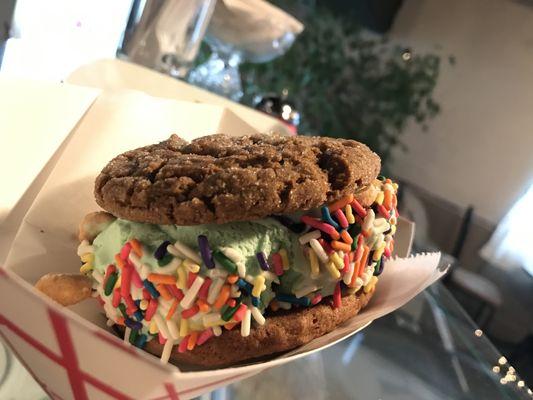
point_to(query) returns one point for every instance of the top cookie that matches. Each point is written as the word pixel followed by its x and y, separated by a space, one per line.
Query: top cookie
pixel 220 178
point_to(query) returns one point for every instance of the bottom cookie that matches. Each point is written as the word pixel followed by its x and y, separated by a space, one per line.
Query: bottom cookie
pixel 284 330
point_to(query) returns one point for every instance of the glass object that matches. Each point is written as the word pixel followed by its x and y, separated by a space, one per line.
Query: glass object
pixel 168 34
pixel 429 349
pixel 251 30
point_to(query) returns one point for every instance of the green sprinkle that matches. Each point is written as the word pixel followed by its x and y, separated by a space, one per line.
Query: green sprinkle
pixel 376 268
pixel 228 314
pixel 225 261
pixel 133 336
pixel 122 309
pixel 167 258
pixel 224 308
pixel 110 284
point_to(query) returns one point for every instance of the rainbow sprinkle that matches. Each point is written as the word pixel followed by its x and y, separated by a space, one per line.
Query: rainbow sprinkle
pixel 195 293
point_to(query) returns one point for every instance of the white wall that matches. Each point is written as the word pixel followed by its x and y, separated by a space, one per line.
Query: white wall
pixel 479 150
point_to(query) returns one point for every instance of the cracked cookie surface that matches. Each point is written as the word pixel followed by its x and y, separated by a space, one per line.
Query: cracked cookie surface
pixel 220 178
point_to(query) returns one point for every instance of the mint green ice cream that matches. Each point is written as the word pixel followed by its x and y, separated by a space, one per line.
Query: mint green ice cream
pixel 249 238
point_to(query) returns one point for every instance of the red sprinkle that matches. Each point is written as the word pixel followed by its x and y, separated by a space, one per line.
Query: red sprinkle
pixel 326 246
pixel 316 299
pixel 337 296
pixel 315 223
pixel 135 278
pixel 99 298
pixel 343 222
pixel 204 336
pixel 111 269
pixel 346 263
pixel 125 251
pixel 146 294
pixel 162 340
pixel 387 252
pixel 182 348
pixel 359 209
pixel 383 211
pixel 151 309
pixel 239 314
pixel 185 314
pixel 131 307
pixel 125 282
pixel 116 298
pixel 190 279
pixel 174 291
pixel 204 289
pixel 231 302
pixel 277 263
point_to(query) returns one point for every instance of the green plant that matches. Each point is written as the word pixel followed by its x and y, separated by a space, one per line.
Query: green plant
pixel 348 83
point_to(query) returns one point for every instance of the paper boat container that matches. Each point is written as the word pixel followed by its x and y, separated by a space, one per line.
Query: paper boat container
pixel 71 352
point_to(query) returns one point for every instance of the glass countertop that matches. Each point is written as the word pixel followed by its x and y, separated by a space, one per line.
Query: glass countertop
pixel 429 349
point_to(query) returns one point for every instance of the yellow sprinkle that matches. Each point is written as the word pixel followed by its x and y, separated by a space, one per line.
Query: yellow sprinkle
pixel 118 282
pixel 85 268
pixel 182 278
pixel 143 305
pixel 339 263
pixel 191 266
pixel 87 258
pixel 349 214
pixel 313 260
pixel 184 328
pixel 393 230
pixel 395 186
pixel 379 252
pixel 335 273
pixel 153 327
pixel 370 285
pixel 379 198
pixel 284 258
pixel 259 282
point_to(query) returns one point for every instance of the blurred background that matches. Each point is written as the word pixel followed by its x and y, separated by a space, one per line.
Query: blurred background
pixel 442 90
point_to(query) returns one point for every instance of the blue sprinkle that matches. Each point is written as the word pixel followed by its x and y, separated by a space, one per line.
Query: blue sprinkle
pixel 262 261
pixel 255 301
pixel 153 292
pixel 138 315
pixel 140 341
pixel 292 299
pixel 241 283
pixel 132 324
pixel 326 217
pixel 161 251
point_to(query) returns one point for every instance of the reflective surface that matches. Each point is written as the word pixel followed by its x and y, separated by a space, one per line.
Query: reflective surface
pixel 429 349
